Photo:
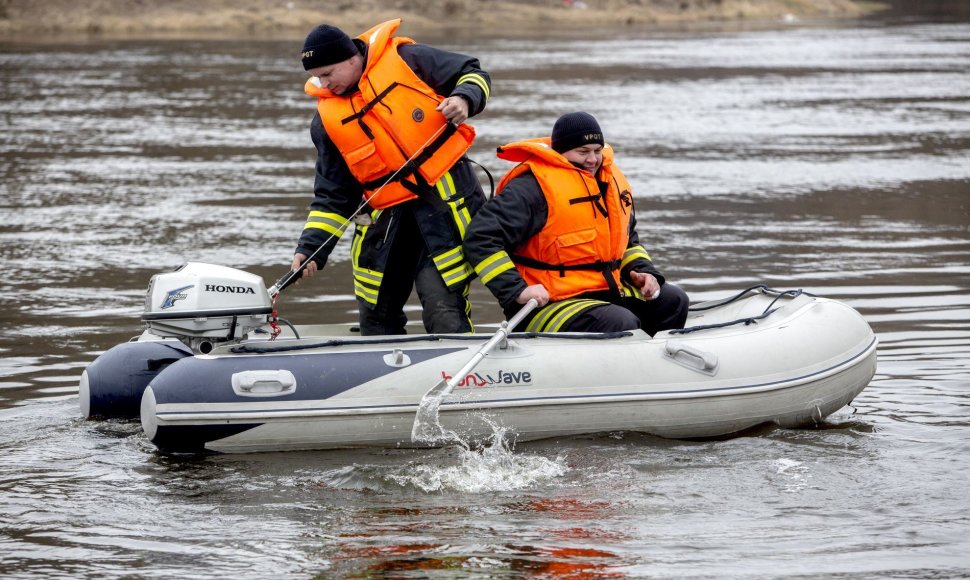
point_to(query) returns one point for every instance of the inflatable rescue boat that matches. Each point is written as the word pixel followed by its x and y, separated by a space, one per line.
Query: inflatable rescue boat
pixel 207 374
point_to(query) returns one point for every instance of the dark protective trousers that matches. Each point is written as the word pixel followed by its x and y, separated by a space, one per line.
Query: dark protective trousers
pixel 666 312
pixel 410 267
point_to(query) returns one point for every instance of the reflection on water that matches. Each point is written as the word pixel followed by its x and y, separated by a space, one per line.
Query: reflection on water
pixel 833 159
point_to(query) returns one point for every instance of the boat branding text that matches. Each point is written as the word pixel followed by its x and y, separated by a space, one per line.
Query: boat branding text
pixel 229 289
pixel 490 379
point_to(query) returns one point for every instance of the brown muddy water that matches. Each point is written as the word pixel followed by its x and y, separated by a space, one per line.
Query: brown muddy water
pixel 834 159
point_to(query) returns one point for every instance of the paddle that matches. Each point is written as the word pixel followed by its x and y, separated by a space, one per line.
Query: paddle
pixel 426 427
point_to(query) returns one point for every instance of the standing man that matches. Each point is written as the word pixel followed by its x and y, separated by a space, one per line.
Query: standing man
pixel 391 141
pixel 563 231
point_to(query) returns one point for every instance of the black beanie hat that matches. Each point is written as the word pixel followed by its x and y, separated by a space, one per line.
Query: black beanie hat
pixel 326 45
pixel 574 130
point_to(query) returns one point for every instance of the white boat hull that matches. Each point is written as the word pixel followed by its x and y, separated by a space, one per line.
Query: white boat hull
pixel 792 368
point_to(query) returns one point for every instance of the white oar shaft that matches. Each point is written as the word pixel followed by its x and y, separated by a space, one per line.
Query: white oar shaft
pixel 499 336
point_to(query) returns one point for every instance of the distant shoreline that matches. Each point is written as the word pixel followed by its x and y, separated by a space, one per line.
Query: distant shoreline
pixel 41 20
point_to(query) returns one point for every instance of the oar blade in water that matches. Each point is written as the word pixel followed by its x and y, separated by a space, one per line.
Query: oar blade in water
pixel 427 428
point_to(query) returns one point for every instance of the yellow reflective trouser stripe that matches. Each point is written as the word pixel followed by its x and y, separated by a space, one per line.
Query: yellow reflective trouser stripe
pixel 359 233
pixel 453 267
pixel 494 265
pixel 372 277
pixel 457 275
pixel 476 79
pixel 329 222
pixel 552 317
pixel 366 294
pixel 468 307
pixel 449 258
pixel 356 244
pixel 446 189
pixel 367 283
pixel 632 254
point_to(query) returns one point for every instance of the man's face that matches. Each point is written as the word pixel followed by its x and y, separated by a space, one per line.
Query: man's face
pixel 340 77
pixel 588 157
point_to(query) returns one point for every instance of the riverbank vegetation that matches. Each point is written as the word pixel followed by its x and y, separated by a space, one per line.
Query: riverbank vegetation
pixel 216 18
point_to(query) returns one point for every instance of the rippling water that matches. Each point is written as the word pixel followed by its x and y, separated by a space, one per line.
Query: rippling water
pixel 833 159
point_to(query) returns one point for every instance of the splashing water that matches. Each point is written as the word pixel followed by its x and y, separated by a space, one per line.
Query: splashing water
pixel 460 468
pixel 427 427
pixel 493 467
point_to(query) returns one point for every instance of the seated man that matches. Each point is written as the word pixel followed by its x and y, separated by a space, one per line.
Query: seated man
pixel 563 231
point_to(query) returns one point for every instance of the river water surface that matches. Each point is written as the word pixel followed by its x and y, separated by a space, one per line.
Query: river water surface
pixel 830 158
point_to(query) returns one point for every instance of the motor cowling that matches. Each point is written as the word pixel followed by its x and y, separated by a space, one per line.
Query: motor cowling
pixel 205 305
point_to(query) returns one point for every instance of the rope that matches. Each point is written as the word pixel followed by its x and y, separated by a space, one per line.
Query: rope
pixel 363 203
pixel 762 288
pixel 248 349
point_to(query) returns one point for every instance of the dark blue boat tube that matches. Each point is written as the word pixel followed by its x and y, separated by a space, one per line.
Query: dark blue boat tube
pixel 113 384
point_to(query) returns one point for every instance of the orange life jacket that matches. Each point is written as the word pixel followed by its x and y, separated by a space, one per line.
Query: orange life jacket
pixel 391 119
pixel 580 249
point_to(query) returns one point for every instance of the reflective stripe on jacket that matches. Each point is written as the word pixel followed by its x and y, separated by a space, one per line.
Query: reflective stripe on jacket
pixel 390 120
pixel 584 242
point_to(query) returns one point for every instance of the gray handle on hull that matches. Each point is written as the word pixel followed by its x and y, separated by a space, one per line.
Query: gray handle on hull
pixel 692 357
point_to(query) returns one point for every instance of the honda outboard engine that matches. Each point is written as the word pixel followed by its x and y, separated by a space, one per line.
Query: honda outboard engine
pixel 205 305
pixel 188 312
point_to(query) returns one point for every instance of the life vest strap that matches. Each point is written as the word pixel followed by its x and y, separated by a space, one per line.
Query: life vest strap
pixel 370 105
pixel 584 199
pixel 603 267
pixel 411 168
pixel 596 200
pixel 491 180
pixel 598 266
pixel 359 115
pixel 416 185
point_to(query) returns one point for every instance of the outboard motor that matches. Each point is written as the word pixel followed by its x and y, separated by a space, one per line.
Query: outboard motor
pixel 189 311
pixel 206 305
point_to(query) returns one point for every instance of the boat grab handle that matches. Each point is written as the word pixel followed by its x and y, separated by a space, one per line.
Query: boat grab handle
pixel 263 383
pixel 692 357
